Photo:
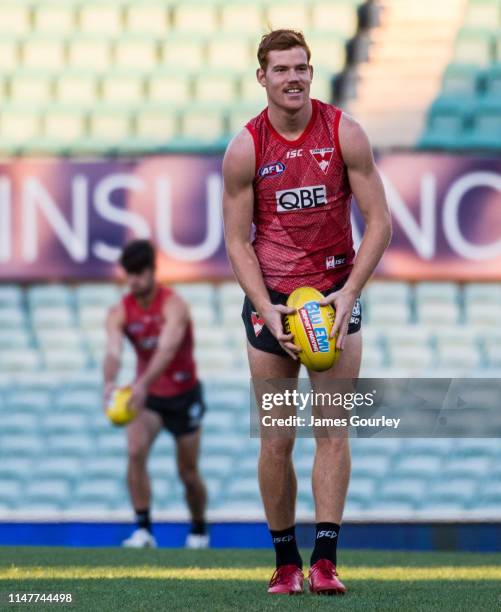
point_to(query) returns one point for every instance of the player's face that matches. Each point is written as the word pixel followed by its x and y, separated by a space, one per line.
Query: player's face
pixel 287 78
pixel 141 284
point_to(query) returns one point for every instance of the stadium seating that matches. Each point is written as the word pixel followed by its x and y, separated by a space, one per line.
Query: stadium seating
pixel 448 56
pixel 467 114
pixel 54 435
pixel 124 77
pixel 91 69
pixel 426 325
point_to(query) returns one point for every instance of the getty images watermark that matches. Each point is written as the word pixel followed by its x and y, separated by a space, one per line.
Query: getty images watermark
pixel 315 399
pixel 435 407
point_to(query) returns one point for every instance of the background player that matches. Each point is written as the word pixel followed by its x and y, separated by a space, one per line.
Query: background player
pixel 166 392
pixel 292 172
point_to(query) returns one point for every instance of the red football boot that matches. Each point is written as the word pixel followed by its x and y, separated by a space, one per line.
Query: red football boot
pixel 287 580
pixel 323 579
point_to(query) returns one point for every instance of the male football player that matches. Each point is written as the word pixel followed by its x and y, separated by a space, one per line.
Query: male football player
pixel 166 392
pixel 291 172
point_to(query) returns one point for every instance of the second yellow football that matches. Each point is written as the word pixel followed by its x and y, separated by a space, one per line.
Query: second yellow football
pixel 118 410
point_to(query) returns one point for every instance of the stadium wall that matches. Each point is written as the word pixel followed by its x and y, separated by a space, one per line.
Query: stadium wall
pixel 415 536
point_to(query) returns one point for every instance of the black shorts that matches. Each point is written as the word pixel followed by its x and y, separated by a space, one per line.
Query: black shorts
pixel 181 414
pixel 260 337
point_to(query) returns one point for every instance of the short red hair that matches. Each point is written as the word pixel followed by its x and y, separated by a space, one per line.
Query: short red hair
pixel 280 40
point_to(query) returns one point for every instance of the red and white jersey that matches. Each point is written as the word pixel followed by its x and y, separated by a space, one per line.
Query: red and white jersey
pixel 302 201
pixel 143 327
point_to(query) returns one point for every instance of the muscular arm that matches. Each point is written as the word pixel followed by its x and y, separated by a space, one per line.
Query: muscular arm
pixel 238 206
pixel 368 190
pixel 177 317
pixel 113 354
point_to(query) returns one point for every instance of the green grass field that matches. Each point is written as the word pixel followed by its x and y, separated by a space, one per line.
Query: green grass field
pixel 171 579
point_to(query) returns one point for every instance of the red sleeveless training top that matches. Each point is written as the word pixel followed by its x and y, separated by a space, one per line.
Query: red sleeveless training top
pixel 302 201
pixel 143 327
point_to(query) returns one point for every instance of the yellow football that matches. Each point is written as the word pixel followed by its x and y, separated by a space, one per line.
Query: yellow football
pixel 311 326
pixel 118 410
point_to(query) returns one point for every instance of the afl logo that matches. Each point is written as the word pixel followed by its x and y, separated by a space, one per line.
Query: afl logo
pixel 273 169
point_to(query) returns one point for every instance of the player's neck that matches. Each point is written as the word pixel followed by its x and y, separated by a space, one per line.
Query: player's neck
pixel 290 124
pixel 145 301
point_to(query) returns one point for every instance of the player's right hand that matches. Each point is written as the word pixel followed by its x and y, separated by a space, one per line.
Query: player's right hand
pixel 272 315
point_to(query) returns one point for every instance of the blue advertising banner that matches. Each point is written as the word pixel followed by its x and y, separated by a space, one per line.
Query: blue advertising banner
pixel 67 219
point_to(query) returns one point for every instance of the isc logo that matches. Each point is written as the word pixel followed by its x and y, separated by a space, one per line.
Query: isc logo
pixel 289 200
pixel 294 153
pixel 332 261
pixel 327 534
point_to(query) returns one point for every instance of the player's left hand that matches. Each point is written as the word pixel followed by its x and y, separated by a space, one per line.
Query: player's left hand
pixel 108 390
pixel 343 302
pixel 138 396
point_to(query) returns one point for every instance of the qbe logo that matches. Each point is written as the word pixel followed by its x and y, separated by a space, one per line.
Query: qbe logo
pixel 290 200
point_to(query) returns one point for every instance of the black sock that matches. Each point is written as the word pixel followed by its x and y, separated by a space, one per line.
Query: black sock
pixel 198 527
pixel 143 519
pixel 285 544
pixel 325 542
